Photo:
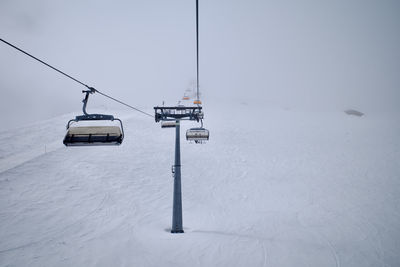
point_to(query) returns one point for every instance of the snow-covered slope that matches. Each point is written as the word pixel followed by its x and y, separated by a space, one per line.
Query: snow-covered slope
pixel 285 188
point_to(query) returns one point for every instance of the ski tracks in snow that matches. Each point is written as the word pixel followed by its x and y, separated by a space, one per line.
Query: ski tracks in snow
pixel 57 233
pixel 20 158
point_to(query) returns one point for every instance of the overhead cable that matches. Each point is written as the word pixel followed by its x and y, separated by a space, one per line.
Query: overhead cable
pixel 74 79
pixel 197 48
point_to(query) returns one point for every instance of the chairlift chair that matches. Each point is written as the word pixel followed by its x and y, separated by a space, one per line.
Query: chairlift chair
pixel 168 124
pixel 93 135
pixel 198 135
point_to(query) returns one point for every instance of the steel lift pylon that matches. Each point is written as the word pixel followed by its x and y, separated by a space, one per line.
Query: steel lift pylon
pixel 177 114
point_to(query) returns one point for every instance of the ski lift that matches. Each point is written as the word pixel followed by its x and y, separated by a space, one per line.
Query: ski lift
pixel 93 135
pixel 198 135
pixel 185 98
pixel 197 102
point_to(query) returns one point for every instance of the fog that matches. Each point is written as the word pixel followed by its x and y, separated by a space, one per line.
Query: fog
pixel 314 55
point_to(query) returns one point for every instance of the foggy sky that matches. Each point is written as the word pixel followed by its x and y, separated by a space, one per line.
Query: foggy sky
pixel 322 55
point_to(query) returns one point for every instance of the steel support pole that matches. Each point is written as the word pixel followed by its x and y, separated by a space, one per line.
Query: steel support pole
pixel 177 204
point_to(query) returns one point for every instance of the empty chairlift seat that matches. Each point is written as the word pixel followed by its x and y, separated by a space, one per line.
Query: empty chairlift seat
pixel 93 135
pixel 168 124
pixel 198 135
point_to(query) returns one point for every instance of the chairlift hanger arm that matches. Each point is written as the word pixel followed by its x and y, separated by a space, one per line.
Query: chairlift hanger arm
pixel 90 117
pixel 85 100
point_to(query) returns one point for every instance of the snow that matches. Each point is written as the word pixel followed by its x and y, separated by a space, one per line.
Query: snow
pixel 273 187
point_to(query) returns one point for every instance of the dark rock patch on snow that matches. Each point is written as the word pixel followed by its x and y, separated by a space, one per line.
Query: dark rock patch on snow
pixel 354 112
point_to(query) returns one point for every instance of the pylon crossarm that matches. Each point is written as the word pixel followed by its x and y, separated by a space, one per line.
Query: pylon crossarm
pixel 178 113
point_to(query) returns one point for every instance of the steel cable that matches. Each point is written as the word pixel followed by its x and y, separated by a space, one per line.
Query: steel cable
pixel 74 79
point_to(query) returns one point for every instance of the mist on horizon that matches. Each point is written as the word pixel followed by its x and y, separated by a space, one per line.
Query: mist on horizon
pixel 322 55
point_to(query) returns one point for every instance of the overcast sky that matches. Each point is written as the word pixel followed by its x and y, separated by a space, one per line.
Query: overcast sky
pixel 299 54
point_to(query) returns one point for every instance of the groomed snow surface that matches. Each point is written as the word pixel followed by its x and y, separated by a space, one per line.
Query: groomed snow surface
pixel 271 188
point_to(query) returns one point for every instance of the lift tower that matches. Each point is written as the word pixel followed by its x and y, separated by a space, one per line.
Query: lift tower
pixel 176 114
